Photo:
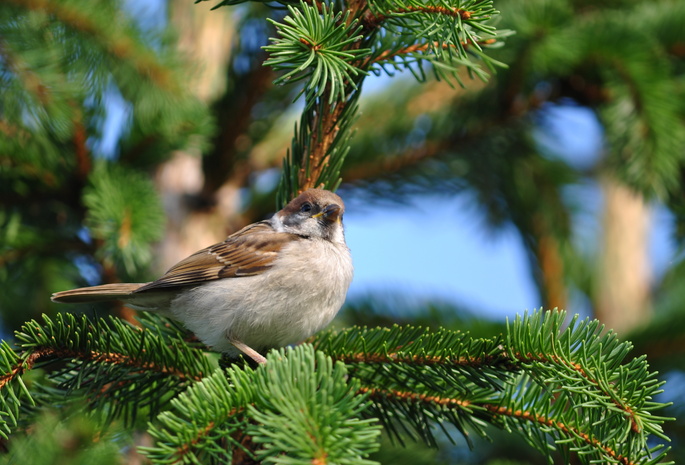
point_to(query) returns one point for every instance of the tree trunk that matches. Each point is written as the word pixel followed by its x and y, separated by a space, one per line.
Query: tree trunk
pixel 622 299
pixel 205 37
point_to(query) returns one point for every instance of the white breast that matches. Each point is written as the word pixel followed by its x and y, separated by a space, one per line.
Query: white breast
pixel 297 297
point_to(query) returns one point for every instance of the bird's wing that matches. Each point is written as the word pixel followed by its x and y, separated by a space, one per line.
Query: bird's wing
pixel 248 252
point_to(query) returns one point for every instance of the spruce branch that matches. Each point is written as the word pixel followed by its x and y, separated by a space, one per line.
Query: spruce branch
pixel 31 81
pixel 583 388
pixel 332 52
pixel 544 380
pixel 561 387
pixel 63 437
pixel 299 408
pixel 124 212
pixel 120 46
pixel 62 63
pixel 205 421
pixel 409 373
pixel 13 390
pixel 307 391
pixel 115 366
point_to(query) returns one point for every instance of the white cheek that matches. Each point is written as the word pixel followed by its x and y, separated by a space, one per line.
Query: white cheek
pixel 310 227
pixel 338 235
pixel 277 223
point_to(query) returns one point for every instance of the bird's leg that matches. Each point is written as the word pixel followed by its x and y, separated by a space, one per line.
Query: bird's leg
pixel 247 350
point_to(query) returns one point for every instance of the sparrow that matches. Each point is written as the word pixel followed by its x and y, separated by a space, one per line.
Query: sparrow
pixel 273 283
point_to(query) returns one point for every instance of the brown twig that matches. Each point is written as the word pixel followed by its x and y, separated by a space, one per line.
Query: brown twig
pixel 83 160
pixel 324 129
pixel 46 353
pixel 392 358
pixel 413 396
pixel 21 368
pixel 372 21
pixel 385 166
pixel 420 48
pixel 241 454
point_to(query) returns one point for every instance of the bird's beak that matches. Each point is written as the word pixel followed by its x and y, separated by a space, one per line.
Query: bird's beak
pixel 330 213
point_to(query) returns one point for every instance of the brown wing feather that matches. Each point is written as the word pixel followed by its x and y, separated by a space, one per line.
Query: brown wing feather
pixel 248 252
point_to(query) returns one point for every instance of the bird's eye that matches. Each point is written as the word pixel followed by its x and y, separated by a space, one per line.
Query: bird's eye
pixel 306 207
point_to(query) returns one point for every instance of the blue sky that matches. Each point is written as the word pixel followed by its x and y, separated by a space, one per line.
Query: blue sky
pixel 439 247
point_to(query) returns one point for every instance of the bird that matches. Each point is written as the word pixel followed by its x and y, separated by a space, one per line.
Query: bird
pixel 271 284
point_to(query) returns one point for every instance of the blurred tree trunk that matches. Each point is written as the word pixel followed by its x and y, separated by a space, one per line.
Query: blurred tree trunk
pixel 622 300
pixel 552 281
pixel 194 221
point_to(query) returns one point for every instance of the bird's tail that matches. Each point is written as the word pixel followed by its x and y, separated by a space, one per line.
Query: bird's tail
pixel 96 293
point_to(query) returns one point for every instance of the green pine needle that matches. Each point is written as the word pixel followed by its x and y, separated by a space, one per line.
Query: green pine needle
pixel 316 45
pixel 561 386
pixel 121 369
pixel 296 409
pixel 125 213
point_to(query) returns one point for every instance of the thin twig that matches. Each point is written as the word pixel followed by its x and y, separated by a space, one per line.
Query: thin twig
pixel 372 20
pixel 420 48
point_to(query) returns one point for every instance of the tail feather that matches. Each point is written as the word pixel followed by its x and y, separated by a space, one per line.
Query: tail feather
pixel 96 293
